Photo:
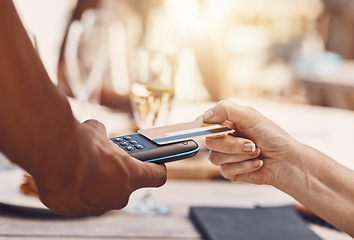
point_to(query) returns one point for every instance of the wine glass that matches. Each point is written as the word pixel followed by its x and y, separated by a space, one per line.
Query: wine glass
pixel 86 56
pixel 152 92
pixel 152 88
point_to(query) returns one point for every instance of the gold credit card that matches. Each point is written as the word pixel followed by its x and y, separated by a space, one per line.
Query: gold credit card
pixel 184 131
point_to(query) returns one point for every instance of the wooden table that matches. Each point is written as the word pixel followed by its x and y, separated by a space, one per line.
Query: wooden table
pixel 177 195
pixel 191 182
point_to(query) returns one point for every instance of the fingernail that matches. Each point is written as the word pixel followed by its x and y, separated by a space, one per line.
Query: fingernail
pixel 256 152
pixel 208 115
pixel 257 163
pixel 249 147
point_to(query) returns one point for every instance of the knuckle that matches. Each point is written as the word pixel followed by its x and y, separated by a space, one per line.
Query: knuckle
pixel 225 169
pixel 253 111
pixel 235 178
pixel 95 124
pixel 227 173
pixel 233 145
pixel 208 142
pixel 224 104
pixel 99 124
pixel 214 158
pixel 249 108
pixel 233 148
pixel 91 121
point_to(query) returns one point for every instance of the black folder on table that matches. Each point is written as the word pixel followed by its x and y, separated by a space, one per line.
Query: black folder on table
pixel 274 223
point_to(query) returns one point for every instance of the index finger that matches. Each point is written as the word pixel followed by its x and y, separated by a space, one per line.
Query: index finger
pixel 95 124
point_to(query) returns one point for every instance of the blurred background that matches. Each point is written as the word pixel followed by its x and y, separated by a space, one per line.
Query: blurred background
pixel 296 51
pixel 139 55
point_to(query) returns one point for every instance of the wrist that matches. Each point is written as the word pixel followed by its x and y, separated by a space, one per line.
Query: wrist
pixel 294 172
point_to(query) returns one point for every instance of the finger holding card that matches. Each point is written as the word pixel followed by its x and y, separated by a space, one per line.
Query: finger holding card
pixel 232 145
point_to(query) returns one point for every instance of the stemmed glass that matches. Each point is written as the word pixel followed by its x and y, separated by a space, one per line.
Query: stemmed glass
pixel 86 56
pixel 152 88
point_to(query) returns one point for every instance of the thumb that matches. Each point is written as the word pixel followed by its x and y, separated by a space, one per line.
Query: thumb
pixel 226 110
pixel 149 175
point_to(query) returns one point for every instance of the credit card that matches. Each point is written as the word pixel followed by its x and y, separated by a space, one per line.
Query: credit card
pixel 184 131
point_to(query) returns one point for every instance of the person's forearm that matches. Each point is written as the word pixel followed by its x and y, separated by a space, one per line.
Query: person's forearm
pixel 315 180
pixel 35 116
pixel 312 176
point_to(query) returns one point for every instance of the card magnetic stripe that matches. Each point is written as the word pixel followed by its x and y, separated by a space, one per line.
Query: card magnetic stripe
pixel 190 135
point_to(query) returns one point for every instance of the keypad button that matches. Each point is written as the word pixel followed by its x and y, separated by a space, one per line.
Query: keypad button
pixel 134 142
pixel 139 146
pixel 128 143
pixel 124 144
pixel 130 148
